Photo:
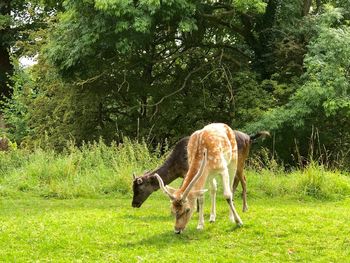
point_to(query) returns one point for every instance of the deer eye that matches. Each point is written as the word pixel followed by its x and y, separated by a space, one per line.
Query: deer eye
pixel 178 216
pixel 188 210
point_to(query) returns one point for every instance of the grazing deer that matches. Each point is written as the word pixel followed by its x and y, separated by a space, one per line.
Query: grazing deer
pixel 211 150
pixel 176 166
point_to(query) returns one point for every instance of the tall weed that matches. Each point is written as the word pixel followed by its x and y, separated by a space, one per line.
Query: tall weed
pixel 312 182
pixel 97 169
pixel 88 171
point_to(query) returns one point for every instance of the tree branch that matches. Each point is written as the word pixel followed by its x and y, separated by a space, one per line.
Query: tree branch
pixel 178 90
pixel 219 21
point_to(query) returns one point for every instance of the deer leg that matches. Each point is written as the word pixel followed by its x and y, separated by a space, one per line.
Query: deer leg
pixel 200 202
pixel 241 178
pixel 234 217
pixel 234 185
pixel 244 193
pixel 213 189
pixel 233 210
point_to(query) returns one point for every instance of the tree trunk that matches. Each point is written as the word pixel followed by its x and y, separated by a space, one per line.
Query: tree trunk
pixel 318 6
pixel 263 47
pixel 5 64
pixel 5 70
pixel 2 124
pixel 306 7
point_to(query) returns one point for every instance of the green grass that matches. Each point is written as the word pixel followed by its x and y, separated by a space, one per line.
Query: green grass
pixel 110 230
pixel 75 206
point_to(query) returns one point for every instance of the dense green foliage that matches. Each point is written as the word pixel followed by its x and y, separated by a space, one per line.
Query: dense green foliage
pixel 161 69
pixel 322 101
pixel 20 22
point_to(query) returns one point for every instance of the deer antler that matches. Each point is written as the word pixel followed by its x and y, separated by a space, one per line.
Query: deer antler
pixel 196 177
pixel 164 188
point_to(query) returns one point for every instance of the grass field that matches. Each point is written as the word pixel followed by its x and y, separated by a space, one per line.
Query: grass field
pixel 110 230
pixel 75 206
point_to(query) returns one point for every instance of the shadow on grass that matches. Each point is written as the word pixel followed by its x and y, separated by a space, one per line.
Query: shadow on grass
pixel 169 238
pixel 145 218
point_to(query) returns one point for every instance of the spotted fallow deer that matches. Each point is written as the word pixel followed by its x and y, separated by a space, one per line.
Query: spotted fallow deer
pixel 211 151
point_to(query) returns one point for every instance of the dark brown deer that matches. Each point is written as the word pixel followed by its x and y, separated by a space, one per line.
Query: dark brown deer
pixel 176 165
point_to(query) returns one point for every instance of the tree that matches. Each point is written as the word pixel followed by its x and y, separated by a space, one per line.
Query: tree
pixel 323 101
pixel 152 62
pixel 161 69
pixel 18 18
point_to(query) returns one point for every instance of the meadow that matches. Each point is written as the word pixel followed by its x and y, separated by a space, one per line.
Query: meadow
pixel 109 230
pixel 75 206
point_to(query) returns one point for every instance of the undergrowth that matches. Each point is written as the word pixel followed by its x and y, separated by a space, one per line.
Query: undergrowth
pixel 91 170
pixel 314 181
pixel 97 169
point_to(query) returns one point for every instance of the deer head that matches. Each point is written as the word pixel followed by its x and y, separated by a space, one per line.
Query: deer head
pixel 142 187
pixel 183 203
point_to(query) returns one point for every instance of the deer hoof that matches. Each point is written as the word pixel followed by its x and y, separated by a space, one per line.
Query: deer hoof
pixel 212 219
pixel 200 227
pixel 239 224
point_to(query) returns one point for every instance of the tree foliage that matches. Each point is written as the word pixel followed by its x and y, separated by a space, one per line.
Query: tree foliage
pixel 161 69
pixel 20 23
pixel 322 101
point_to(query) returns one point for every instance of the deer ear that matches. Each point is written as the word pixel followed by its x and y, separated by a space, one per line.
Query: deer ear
pixel 133 176
pixel 199 192
pixel 170 189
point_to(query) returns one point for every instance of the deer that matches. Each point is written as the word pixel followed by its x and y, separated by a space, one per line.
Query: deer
pixel 211 151
pixel 176 166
